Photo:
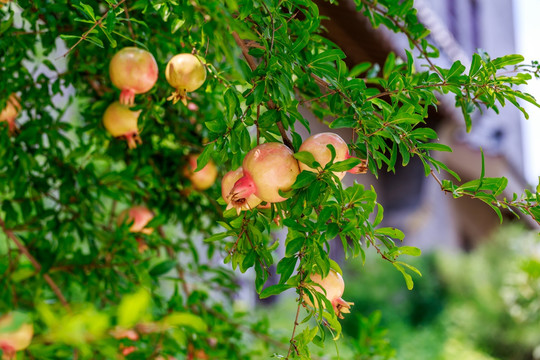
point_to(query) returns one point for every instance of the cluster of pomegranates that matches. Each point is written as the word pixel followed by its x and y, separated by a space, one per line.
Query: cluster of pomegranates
pixel 135 71
pixel 271 167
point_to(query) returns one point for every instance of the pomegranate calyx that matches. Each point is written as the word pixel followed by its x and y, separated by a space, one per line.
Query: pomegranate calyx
pixel 361 168
pixel 342 306
pixel 133 139
pixel 127 97
pixel 242 189
pixel 179 95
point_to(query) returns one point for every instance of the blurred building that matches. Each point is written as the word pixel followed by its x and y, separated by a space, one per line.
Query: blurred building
pixel 413 202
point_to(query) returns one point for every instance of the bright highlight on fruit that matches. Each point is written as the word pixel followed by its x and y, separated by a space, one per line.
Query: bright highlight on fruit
pixel 185 73
pixel 317 146
pixel 134 71
pixel 10 112
pixel 120 121
pixel 202 179
pixel 227 184
pixel 333 285
pixel 267 168
pixel 16 332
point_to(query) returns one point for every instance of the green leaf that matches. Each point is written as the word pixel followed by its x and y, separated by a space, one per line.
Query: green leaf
pixel 286 267
pixel 475 65
pixel 407 277
pixel 457 69
pixel 345 164
pixel 343 122
pixel 177 24
pixel 274 290
pixel 204 157
pixel 217 237
pixel 390 231
pixel 506 60
pixel 307 158
pixel 294 246
pixel 359 69
pixel 435 147
pixel 328 56
pixel 162 268
pixel 304 179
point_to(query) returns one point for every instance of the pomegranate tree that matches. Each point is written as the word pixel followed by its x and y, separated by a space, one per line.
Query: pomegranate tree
pixel 134 71
pixel 317 146
pixel 16 333
pixel 267 168
pixel 10 112
pixel 202 179
pixel 332 286
pixel 185 73
pixel 120 121
pixel 227 184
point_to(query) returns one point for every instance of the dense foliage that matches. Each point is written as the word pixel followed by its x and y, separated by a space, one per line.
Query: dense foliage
pixel 94 289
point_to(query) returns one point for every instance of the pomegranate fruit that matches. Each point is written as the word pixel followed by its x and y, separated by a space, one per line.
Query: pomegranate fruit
pixel 185 73
pixel 134 71
pixel 334 286
pixel 227 184
pixel 10 112
pixel 268 168
pixel 140 216
pixel 14 338
pixel 120 121
pixel 202 179
pixel 317 146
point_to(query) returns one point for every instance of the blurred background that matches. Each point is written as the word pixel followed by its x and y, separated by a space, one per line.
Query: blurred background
pixel 479 297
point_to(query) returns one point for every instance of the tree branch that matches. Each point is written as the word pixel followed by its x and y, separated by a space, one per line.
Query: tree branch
pixel 100 20
pixel 22 248
pixel 270 103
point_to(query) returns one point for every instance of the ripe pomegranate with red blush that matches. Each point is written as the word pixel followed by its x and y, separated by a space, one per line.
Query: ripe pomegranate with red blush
pixel 317 146
pixel 134 71
pixel 333 285
pixel 268 168
pixel 202 179
pixel 120 121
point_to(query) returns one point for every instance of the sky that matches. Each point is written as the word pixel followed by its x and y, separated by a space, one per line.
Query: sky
pixel 528 44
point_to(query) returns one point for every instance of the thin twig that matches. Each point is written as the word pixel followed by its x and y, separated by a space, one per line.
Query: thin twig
pixel 22 248
pixel 97 23
pixel 293 345
pixel 270 103
pixel 130 28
